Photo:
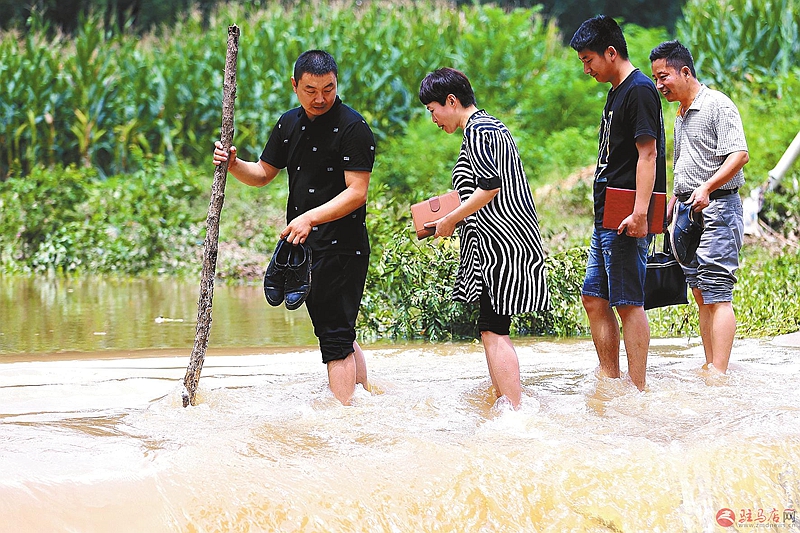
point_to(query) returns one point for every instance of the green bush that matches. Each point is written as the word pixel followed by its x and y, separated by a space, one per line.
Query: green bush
pixel 409 286
pixel 781 209
pixel 561 153
pixel 408 292
pixel 566 317
pixel 770 124
pixel 765 296
pixel 70 220
pixel 416 165
pixel 759 312
pixel 42 215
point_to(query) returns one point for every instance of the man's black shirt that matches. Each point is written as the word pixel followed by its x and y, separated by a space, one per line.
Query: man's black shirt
pixel 316 154
pixel 632 110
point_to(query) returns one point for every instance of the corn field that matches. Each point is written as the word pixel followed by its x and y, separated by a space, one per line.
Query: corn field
pixel 87 99
pixel 735 40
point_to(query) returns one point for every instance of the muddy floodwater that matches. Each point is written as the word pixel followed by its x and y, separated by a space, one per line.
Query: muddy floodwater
pixel 93 437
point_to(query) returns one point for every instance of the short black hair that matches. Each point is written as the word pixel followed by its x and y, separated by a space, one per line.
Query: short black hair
pixel 316 63
pixel 676 55
pixel 597 34
pixel 441 82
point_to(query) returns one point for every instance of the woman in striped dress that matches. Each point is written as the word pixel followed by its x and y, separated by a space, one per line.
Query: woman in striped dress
pixel 502 258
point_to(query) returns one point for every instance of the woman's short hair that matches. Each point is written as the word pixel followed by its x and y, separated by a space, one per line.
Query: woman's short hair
pixel 444 81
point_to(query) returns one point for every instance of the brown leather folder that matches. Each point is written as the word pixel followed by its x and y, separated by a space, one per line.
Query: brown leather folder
pixel 433 209
pixel 619 204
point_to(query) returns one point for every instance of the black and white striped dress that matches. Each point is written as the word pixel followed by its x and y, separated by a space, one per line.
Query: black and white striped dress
pixel 500 244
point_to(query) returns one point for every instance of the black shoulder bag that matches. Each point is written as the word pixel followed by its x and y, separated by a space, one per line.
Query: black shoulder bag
pixel 665 283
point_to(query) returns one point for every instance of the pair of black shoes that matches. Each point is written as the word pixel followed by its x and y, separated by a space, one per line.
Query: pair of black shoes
pixel 288 276
pixel 686 232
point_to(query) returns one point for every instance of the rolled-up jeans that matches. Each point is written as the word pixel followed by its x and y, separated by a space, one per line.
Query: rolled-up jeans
pixel 713 269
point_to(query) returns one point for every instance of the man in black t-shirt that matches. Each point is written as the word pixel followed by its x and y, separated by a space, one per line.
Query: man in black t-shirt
pixel 630 156
pixel 328 151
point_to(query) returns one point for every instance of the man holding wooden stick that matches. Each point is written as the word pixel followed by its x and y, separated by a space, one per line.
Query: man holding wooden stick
pixel 328 150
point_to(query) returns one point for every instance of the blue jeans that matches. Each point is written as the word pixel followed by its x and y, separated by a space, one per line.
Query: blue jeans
pixel 616 268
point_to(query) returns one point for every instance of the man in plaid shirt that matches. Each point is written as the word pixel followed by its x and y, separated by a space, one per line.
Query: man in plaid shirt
pixel 710 151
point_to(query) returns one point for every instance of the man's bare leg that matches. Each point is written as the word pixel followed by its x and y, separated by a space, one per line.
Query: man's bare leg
pixel 361 366
pixel 636 335
pixel 342 378
pixel 723 331
pixel 605 333
pixel 704 318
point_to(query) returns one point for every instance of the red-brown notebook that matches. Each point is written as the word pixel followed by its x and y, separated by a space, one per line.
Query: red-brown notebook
pixel 433 209
pixel 619 204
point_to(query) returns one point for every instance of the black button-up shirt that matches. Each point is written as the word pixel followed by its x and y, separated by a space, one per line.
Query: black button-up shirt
pixel 316 154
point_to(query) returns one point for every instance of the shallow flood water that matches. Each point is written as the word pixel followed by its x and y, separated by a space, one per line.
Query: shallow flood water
pixel 47 317
pixel 98 441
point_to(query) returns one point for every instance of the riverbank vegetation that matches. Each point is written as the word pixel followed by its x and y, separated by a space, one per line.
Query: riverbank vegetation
pixel 105 140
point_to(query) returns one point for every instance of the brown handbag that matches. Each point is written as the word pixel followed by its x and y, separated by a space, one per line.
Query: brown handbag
pixel 433 209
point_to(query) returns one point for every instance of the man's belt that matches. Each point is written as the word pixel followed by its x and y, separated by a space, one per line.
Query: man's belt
pixel 719 193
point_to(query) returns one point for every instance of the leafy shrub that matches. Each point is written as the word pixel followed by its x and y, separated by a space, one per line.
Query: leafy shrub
pixel 408 292
pixel 70 220
pixel 781 209
pixel 416 165
pixel 42 215
pixel 153 219
pixel 765 296
pixel 409 286
pixel 566 318
pixel 770 124
pixel 762 276
pixel 561 152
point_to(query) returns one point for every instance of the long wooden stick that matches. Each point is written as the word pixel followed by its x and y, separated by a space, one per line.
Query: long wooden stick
pixel 212 225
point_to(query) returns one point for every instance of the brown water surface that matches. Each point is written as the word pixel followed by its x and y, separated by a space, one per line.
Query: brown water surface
pixel 93 437
pixel 52 315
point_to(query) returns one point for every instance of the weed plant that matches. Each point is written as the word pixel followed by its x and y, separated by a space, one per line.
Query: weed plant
pixel 72 221
pixel 409 286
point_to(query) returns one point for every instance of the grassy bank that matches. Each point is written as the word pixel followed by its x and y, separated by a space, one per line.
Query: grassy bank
pixel 152 223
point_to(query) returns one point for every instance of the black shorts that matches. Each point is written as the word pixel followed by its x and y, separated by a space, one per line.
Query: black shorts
pixel 337 284
pixel 489 320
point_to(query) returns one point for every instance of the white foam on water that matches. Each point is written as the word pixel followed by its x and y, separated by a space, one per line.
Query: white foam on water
pixel 86 444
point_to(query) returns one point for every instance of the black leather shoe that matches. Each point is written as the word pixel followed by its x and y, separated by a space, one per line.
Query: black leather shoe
pixel 298 276
pixel 275 277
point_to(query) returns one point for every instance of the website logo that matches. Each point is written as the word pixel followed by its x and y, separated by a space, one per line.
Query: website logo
pixel 726 517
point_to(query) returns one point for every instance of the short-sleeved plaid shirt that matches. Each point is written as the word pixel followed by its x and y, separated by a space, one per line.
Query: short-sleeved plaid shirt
pixel 705 136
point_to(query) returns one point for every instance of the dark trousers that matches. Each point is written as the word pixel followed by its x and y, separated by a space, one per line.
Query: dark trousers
pixel 337 284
